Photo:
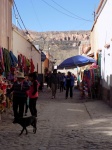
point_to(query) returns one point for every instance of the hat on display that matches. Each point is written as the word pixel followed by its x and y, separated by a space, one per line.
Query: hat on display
pixel 20 75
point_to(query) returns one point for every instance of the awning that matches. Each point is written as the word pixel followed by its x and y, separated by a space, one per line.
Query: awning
pixel 43 56
pixel 77 60
pixel 86 49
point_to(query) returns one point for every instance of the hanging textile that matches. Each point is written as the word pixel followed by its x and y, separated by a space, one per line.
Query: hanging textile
pixel 20 62
pixel 2 68
pixel 27 70
pixel 32 67
pixel 24 62
pixel 7 63
pixel 99 63
pixel 13 59
pixel 27 62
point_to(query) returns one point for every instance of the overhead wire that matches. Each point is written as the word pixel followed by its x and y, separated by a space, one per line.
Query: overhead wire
pixel 36 14
pixel 22 21
pixel 70 11
pixel 20 16
pixel 60 10
pixel 43 38
pixel 16 17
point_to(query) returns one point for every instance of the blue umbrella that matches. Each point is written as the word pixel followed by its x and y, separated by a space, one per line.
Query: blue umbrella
pixel 78 60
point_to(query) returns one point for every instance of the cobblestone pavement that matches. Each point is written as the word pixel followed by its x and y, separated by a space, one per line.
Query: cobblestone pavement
pixel 62 125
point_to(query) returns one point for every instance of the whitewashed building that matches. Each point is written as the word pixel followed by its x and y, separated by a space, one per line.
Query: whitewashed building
pixel 101 42
pixel 21 45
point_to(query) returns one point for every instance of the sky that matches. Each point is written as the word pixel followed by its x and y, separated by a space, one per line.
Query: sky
pixel 54 15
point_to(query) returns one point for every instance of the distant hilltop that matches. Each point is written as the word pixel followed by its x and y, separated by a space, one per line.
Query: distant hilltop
pixel 61 44
pixel 61 35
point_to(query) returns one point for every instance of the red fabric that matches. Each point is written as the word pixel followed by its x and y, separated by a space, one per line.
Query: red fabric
pixel 30 91
pixel 32 66
pixel 24 63
pixel 4 103
pixel 94 66
pixel 2 67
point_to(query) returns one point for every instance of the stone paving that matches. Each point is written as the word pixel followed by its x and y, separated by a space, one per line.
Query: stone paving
pixel 62 125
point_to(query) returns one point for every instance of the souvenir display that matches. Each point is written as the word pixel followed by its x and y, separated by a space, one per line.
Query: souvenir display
pixel 9 68
pixel 90 84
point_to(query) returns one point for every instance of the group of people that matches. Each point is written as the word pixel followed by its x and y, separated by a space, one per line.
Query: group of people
pixel 25 94
pixel 62 82
pixel 25 91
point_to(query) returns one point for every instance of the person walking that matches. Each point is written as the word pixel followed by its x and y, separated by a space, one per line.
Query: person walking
pixel 33 93
pixel 61 82
pixel 27 100
pixel 58 80
pixel 54 81
pixel 49 81
pixel 69 85
pixel 19 89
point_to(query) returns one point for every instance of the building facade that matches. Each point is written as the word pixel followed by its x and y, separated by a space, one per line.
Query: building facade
pixel 6 24
pixel 24 47
pixel 101 43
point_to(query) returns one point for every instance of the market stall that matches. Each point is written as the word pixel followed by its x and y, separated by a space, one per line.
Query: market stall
pixel 90 83
pixel 9 68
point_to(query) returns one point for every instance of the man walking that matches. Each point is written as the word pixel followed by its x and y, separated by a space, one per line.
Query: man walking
pixel 54 81
pixel 69 85
pixel 19 89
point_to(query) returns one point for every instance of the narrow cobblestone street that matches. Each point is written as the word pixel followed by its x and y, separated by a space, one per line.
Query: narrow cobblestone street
pixel 62 125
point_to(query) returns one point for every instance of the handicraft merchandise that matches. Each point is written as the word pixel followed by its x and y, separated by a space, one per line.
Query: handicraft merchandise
pixel 89 86
pixel 9 68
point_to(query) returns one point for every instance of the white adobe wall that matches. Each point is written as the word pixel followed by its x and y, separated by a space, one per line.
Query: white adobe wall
pixel 22 46
pixel 101 35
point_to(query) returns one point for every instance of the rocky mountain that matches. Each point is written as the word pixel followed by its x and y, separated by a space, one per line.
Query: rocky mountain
pixel 61 45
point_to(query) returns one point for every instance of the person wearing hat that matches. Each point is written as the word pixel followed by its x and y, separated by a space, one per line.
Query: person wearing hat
pixel 19 89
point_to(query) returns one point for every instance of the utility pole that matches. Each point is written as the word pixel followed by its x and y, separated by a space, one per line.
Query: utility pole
pixel 16 20
pixel 94 15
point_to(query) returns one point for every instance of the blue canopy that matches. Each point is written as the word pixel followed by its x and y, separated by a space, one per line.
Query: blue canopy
pixel 78 60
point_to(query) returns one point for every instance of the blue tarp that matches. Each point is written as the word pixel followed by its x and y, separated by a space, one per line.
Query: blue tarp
pixel 75 61
pixel 43 56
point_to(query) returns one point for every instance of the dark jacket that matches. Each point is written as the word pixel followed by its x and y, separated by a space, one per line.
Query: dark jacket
pixel 54 78
pixel 19 90
pixel 70 81
pixel 13 59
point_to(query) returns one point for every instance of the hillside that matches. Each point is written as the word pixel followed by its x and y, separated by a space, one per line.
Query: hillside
pixel 61 44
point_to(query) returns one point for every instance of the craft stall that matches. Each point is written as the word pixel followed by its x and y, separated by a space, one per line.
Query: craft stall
pixel 10 65
pixel 90 84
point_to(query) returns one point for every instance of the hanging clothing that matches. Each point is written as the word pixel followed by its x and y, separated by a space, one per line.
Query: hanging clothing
pixel 13 59
pixel 32 66
pixel 27 62
pixel 24 65
pixel 27 66
pixel 19 60
pixel 7 62
pixel 20 63
pixel 2 67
